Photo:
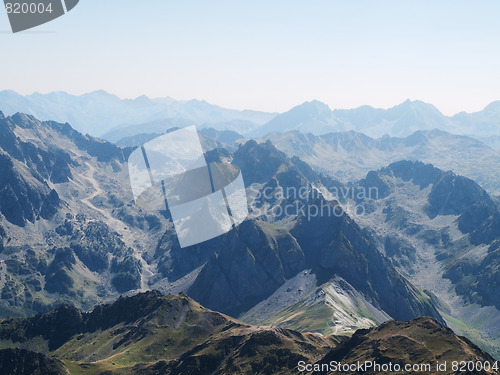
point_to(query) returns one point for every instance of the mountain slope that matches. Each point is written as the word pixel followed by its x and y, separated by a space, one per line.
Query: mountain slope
pixel 63 213
pixel 419 342
pixel 97 243
pixel 254 260
pixel 151 333
pixel 246 266
pixel 337 246
pixel 334 307
pixel 21 361
pixel 251 262
pixel 442 232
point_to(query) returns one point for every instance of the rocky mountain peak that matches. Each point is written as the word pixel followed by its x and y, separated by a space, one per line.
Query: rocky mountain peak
pixel 314 107
pixel 309 117
pixel 25 121
pixel 417 106
pixel 412 170
pixel 258 161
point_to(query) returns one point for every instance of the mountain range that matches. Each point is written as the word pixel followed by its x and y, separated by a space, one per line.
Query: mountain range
pixel 71 234
pixel 99 113
pixel 109 117
pixel 70 224
pixel 442 231
pixel 349 156
pixel 399 121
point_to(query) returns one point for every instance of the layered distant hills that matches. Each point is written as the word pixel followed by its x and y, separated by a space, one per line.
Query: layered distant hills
pixel 107 116
pixel 399 121
pixel 99 113
pixel 348 156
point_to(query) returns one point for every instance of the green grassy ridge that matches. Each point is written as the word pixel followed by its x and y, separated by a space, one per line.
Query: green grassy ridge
pixel 137 334
pixel 149 334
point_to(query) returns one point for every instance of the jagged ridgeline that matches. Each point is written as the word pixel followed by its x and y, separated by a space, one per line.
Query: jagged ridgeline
pixel 155 334
pixel 70 233
pixel 59 213
pixel 73 234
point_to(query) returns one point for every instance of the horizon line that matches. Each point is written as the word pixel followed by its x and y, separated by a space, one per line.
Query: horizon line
pixel 122 98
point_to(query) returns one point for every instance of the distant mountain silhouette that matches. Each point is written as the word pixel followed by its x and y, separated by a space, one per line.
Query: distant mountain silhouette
pixel 399 121
pixel 105 115
pixel 98 112
pixel 310 117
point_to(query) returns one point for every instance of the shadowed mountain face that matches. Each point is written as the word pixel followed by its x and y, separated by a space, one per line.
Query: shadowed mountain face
pixel 420 341
pixel 338 246
pixel 150 333
pixel 466 207
pixel 257 258
pixel 254 260
pixel 263 163
pixel 25 362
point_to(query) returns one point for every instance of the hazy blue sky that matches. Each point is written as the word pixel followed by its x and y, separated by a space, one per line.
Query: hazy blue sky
pixel 268 55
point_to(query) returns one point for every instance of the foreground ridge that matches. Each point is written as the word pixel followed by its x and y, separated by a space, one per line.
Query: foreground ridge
pixel 150 333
